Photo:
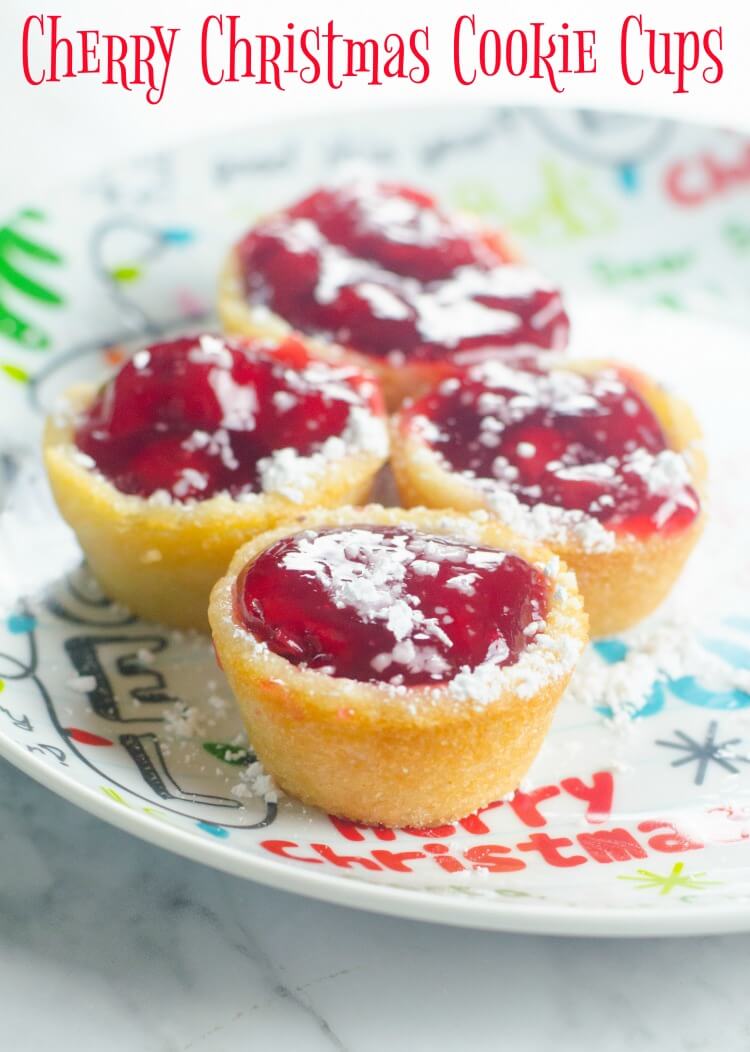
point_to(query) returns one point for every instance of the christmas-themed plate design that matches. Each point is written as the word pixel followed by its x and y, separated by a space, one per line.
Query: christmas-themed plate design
pixel 636 816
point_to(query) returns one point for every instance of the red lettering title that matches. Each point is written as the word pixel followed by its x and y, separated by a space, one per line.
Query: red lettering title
pixel 229 52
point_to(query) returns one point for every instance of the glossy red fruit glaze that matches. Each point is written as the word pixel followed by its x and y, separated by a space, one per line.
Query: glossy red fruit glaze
pixel 382 269
pixel 194 416
pixel 589 443
pixel 386 604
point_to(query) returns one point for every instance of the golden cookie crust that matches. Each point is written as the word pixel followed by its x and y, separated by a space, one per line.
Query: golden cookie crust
pixel 619 587
pixel 417 757
pixel 161 561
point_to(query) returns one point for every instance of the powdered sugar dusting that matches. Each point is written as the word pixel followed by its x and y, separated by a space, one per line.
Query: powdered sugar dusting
pixel 544 522
pixel 251 398
pixel 559 475
pixel 254 781
pixel 666 474
pixel 370 572
pixel 366 572
pixel 291 475
pixel 547 658
pixel 670 649
pixel 385 270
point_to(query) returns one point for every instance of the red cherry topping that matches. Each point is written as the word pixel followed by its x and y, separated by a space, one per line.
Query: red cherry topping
pixel 556 437
pixel 387 604
pixel 195 416
pixel 381 268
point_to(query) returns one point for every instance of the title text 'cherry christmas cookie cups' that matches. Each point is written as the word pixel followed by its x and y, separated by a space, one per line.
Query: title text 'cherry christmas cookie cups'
pixel 397 667
pixel 198 444
pixel 592 459
pixel 382 271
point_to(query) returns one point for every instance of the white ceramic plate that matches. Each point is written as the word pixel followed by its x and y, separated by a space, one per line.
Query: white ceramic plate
pixel 647 225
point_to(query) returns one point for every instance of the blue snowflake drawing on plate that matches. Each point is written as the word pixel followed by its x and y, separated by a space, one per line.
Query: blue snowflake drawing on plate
pixel 706 752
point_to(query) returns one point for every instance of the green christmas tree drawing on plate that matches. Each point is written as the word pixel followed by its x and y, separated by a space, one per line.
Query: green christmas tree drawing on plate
pixel 21 257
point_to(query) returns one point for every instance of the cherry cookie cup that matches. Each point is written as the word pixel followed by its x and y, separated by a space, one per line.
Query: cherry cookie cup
pixel 194 446
pixel 396 667
pixel 592 459
pixel 382 274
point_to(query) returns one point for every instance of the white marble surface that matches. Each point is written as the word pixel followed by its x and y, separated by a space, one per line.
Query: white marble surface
pixel 109 943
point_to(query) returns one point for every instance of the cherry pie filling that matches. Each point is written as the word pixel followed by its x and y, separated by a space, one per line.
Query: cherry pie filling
pixel 387 604
pixel 196 416
pixel 588 443
pixel 381 268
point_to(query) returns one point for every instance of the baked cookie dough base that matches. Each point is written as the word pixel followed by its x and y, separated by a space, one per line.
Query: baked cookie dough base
pixel 162 561
pixel 354 750
pixel 619 587
pixel 386 774
pixel 622 587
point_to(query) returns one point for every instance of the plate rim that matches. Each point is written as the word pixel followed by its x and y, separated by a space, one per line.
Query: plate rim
pixel 269 126
pixel 409 903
